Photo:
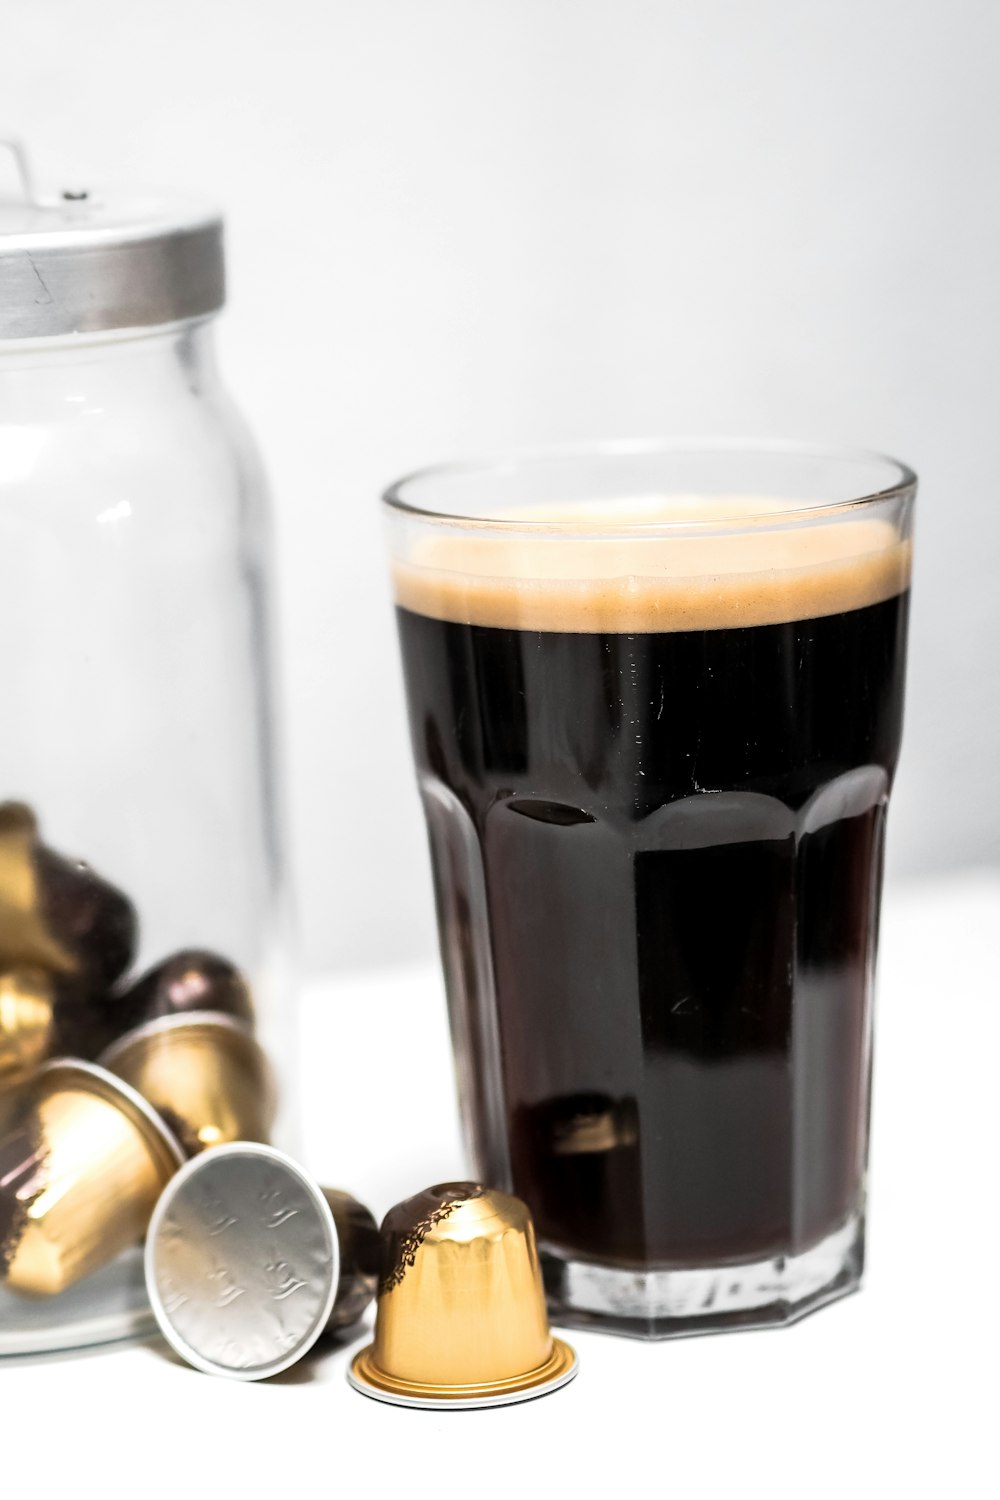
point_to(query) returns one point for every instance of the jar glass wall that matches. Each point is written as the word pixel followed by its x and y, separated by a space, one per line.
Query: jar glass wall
pixel 136 683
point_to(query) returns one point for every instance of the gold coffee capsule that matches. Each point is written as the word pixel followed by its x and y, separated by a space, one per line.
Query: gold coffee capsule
pixel 460 1318
pixel 25 935
pixel 26 1023
pixel 82 1164
pixel 360 1257
pixel 203 1073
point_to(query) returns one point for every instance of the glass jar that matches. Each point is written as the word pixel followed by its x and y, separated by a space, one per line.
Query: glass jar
pixel 136 673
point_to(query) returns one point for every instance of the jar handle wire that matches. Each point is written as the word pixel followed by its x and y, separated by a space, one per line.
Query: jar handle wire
pixel 22 165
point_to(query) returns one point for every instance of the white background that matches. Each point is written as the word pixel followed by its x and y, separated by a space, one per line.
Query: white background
pixel 457 225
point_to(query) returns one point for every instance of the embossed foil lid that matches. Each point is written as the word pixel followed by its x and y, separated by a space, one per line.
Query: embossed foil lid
pixel 242 1262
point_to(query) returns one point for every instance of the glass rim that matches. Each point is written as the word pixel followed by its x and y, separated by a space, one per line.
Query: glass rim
pixel 396 501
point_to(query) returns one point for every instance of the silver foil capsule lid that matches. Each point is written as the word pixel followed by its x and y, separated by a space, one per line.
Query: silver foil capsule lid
pixel 83 261
pixel 242 1262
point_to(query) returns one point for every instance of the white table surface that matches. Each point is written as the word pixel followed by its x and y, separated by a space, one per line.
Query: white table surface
pixel 893 1390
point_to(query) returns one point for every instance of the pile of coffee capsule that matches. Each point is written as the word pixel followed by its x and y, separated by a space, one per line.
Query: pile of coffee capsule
pixel 107 1083
pixel 141 1108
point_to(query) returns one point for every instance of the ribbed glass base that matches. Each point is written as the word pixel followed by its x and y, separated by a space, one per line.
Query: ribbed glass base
pixel 661 1304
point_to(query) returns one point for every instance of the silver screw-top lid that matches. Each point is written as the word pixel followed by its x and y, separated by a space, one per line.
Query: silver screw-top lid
pixel 86 262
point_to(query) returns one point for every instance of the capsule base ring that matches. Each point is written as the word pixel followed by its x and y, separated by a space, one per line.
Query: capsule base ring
pixel 365 1376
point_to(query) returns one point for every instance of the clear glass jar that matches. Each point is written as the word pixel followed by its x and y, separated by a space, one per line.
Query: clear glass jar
pixel 134 652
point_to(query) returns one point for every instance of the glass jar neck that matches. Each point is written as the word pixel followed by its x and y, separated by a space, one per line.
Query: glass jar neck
pixel 39 374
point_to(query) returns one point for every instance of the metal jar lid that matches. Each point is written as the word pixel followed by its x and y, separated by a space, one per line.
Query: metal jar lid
pixel 86 262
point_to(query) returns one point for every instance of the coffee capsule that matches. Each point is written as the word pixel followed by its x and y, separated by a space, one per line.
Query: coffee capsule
pixel 460 1318
pixel 193 980
pixel 360 1257
pixel 242 1262
pixel 56 913
pixel 26 1023
pixel 82 1026
pixel 203 1073
pixel 82 1163
pixel 90 918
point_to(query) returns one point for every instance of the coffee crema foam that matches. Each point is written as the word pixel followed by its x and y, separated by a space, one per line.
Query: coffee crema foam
pixel 771 573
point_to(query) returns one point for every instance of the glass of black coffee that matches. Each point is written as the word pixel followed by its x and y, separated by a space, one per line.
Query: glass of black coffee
pixel 655 695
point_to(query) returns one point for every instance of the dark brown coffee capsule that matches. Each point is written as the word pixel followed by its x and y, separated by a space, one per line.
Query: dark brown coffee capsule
pixel 56 913
pixel 360 1257
pixel 194 980
pixel 82 1024
pixel 90 917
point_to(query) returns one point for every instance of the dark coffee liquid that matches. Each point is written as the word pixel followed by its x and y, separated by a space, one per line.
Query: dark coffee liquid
pixel 674 842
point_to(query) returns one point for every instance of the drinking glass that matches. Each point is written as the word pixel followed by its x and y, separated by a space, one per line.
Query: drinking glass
pixel 655 694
